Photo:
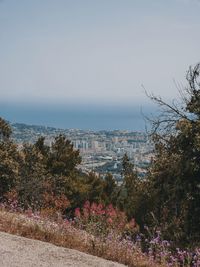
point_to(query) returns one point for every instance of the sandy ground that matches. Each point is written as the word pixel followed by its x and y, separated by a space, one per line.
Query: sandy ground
pixel 16 251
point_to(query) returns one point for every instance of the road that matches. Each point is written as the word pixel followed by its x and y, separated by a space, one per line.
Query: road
pixel 16 251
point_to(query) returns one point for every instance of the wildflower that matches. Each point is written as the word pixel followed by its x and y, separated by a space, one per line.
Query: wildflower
pixel 87 205
pixel 93 208
pixel 109 220
pixel 77 213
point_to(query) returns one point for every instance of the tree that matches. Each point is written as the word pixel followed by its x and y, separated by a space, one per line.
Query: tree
pixel 175 174
pixel 95 187
pixel 42 148
pixel 9 156
pixel 32 180
pixel 110 189
pixel 63 159
pixel 5 130
pixel 9 167
pixel 128 191
pixel 130 178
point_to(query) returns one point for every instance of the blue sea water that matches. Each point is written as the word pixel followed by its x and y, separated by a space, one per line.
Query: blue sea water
pixel 88 117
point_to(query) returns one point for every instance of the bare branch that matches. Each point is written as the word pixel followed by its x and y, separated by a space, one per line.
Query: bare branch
pixel 171 113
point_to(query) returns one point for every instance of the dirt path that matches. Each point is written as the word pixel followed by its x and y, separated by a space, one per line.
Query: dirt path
pixel 16 251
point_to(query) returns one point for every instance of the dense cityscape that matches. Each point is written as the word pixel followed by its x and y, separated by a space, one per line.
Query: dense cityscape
pixel 101 151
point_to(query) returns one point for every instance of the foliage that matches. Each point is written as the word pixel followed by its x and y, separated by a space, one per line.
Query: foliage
pixel 5 130
pixel 62 158
pixel 87 232
pixel 42 176
pixel 9 160
pixel 31 182
pixel 47 179
pixel 133 195
pixel 175 174
pixel 101 220
pixel 110 189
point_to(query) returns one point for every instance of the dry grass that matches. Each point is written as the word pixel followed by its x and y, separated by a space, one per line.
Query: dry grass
pixel 64 234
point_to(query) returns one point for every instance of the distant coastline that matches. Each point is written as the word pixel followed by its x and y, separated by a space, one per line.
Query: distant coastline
pixel 78 117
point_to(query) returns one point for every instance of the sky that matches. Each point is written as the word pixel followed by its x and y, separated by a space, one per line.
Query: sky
pixel 95 52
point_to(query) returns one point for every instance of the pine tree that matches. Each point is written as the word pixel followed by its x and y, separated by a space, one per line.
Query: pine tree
pixel 9 157
pixel 63 159
pixel 129 187
pixel 110 189
pixel 32 178
pixel 5 130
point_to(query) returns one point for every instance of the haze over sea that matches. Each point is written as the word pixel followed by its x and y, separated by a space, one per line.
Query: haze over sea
pixel 84 64
pixel 88 117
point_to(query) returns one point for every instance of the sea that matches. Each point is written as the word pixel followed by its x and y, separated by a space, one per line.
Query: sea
pixel 85 117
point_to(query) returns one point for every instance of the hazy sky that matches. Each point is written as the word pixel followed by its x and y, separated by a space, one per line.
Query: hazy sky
pixel 95 51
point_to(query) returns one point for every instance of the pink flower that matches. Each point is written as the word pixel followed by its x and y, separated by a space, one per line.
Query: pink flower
pixel 87 205
pixel 110 211
pixel 86 209
pixel 85 213
pixel 109 220
pixel 93 208
pixel 77 213
pixel 100 206
pixel 29 212
pixel 66 222
pixel 100 209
